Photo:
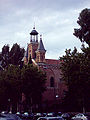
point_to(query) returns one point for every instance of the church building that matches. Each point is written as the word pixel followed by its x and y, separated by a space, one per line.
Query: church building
pixel 54 85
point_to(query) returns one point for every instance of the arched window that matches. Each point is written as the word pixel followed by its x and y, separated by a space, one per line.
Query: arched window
pixel 51 82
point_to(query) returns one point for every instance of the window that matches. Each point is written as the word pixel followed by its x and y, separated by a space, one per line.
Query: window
pixel 51 82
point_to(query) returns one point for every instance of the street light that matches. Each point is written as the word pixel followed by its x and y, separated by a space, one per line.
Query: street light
pixel 56 101
pixel 10 106
pixel 57 96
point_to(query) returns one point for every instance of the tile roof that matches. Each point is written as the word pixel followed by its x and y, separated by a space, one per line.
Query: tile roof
pixel 52 61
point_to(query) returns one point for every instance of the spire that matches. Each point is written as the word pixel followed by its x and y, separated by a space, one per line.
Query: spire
pixel 40 53
pixel 41 46
pixel 34 26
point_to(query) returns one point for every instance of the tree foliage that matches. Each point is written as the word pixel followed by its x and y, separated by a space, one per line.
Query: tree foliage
pixel 13 56
pixel 75 68
pixel 4 56
pixel 10 86
pixel 83 33
pixel 33 84
pixel 16 54
pixel 15 81
pixel 76 72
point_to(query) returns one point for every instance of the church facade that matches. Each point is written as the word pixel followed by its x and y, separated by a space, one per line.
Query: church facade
pixel 54 85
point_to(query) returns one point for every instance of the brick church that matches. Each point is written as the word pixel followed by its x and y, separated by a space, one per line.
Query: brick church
pixel 55 86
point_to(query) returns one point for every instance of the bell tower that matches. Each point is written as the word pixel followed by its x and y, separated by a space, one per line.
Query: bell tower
pixel 32 47
pixel 34 35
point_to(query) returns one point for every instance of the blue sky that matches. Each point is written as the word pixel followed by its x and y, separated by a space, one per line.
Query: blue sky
pixel 54 19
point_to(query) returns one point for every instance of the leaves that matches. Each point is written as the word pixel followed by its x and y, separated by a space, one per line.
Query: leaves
pixel 83 33
pixel 13 56
pixel 15 81
pixel 10 86
pixel 16 54
pixel 76 72
pixel 33 83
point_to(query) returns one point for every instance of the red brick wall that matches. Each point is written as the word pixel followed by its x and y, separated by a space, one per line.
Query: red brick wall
pixel 58 89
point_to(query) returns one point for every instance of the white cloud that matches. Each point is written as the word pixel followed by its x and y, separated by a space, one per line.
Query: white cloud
pixel 54 20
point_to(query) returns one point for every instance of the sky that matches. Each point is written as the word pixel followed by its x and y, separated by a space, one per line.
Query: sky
pixel 54 19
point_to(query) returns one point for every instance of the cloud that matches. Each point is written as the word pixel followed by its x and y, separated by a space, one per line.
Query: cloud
pixel 55 20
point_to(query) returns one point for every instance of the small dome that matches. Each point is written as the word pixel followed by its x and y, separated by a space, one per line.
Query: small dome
pixel 34 32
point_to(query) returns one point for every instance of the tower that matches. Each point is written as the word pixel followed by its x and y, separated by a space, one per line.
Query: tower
pixel 32 47
pixel 34 35
pixel 36 49
pixel 40 53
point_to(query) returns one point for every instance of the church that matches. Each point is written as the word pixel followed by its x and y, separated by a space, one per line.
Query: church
pixel 54 85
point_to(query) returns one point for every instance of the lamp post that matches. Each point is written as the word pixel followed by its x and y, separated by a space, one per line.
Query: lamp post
pixel 31 104
pixel 10 106
pixel 57 96
pixel 56 99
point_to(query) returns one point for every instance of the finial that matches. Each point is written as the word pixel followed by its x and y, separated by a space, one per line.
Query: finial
pixel 34 26
pixel 40 37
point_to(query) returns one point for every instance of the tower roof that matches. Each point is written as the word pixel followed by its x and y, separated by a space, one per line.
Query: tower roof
pixel 41 46
pixel 34 32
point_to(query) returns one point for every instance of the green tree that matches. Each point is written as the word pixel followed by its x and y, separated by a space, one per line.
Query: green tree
pixel 3 95
pixel 70 68
pixel 10 86
pixel 16 54
pixel 13 56
pixel 76 68
pixel 33 84
pixel 4 56
pixel 83 33
pixel 76 72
